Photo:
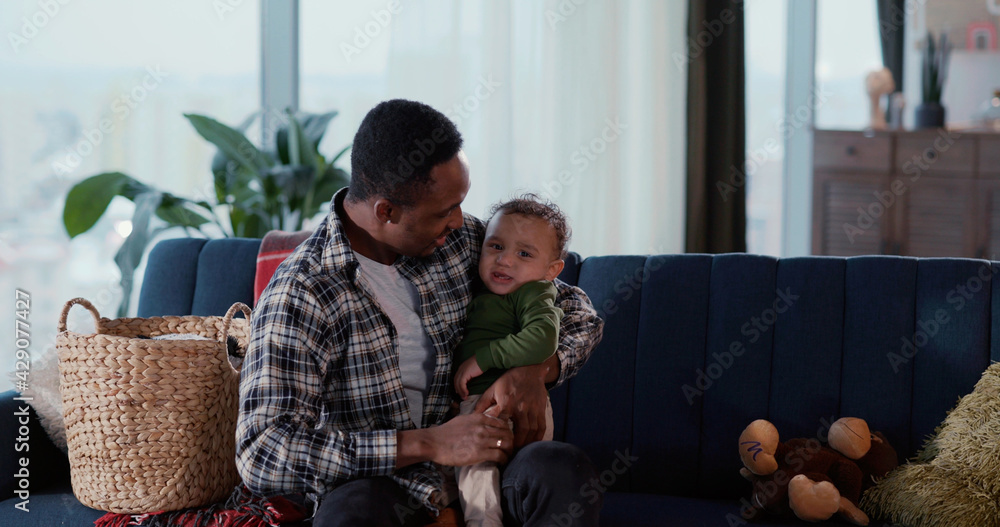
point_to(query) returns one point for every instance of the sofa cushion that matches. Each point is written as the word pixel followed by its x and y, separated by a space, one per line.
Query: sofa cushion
pixel 168 285
pixel 49 507
pixel 225 275
pixel 47 465
pixel 191 276
pixel 955 479
pixel 651 510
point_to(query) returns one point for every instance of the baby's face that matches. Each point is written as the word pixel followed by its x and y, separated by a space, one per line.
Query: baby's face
pixel 518 249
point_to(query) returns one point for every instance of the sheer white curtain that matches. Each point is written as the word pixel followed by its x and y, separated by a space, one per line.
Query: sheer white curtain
pixel 579 100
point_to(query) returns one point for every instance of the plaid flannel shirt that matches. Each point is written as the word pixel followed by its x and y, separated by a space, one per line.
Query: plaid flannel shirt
pixel 321 397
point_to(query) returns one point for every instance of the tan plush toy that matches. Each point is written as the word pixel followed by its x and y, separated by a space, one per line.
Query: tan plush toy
pixel 812 481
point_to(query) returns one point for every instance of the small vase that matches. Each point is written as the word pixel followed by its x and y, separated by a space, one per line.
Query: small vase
pixel 930 115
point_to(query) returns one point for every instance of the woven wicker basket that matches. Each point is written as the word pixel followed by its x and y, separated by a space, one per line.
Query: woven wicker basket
pixel 150 424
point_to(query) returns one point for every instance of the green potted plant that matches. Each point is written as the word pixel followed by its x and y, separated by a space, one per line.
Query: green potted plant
pixel 255 190
pixel 930 113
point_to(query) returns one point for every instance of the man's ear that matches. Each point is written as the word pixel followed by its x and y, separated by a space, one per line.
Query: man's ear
pixel 554 269
pixel 383 210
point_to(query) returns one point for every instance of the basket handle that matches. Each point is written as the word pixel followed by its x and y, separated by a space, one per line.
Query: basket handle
pixel 85 303
pixel 227 320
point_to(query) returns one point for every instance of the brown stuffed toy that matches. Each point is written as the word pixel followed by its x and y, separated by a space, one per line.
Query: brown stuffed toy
pixel 812 481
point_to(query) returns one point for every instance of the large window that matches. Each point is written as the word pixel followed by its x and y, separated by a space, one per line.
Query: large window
pixel 843 60
pixel 767 124
pixel 99 86
pixel 581 102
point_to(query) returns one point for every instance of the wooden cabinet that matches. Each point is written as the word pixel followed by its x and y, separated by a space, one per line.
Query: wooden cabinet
pixel 938 218
pixel 920 193
pixel 988 242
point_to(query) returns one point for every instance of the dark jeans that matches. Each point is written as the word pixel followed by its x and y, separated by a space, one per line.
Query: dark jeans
pixel 542 486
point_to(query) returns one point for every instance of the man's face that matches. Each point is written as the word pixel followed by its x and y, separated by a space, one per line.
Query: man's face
pixel 517 249
pixel 424 226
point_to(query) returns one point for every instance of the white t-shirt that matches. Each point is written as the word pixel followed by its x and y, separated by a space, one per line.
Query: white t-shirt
pixel 400 301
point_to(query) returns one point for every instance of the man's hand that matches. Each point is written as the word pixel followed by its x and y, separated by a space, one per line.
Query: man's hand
pixel 520 394
pixel 464 440
pixel 466 372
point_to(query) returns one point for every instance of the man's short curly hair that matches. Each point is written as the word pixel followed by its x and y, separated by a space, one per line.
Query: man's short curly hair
pixel 397 145
pixel 531 204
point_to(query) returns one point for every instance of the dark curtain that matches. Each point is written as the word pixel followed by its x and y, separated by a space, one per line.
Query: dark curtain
pixel 891 23
pixel 716 128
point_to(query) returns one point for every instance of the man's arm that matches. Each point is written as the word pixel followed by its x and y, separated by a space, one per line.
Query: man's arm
pixel 579 331
pixel 284 440
pixel 281 444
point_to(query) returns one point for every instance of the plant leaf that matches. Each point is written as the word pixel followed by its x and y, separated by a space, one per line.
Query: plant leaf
pixel 333 180
pixel 295 142
pixel 177 212
pixel 315 124
pixel 130 253
pixel 302 149
pixel 87 201
pixel 313 127
pixel 342 152
pixel 233 143
pixel 250 223
pixel 220 159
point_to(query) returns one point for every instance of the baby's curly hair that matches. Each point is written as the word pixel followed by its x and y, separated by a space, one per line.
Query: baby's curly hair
pixel 531 204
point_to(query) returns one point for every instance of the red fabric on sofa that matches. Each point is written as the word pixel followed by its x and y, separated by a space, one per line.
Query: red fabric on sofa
pixel 274 248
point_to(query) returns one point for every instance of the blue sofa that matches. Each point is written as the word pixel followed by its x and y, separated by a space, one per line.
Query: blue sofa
pixel 695 347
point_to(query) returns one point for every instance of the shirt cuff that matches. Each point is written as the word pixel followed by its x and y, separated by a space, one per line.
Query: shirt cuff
pixel 484 358
pixel 374 453
pixel 564 373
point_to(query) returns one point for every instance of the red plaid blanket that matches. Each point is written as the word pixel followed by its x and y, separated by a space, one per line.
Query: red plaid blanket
pixel 274 248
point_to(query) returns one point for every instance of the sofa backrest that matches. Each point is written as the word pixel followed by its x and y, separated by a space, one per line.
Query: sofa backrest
pixel 193 276
pixel 697 346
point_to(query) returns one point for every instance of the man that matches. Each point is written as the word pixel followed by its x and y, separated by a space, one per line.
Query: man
pixel 346 386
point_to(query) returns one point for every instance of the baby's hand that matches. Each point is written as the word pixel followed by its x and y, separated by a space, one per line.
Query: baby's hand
pixel 466 372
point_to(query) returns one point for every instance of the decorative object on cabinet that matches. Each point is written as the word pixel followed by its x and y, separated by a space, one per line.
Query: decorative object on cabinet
pixel 878 84
pixel 981 36
pixel 930 113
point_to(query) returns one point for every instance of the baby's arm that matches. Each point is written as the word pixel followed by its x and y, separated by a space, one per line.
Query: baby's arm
pixel 538 338
pixel 467 371
pixel 538 318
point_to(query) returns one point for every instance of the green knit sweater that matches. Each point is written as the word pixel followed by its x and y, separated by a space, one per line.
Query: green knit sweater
pixel 517 329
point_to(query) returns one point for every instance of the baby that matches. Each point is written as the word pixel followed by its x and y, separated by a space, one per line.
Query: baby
pixel 515 322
